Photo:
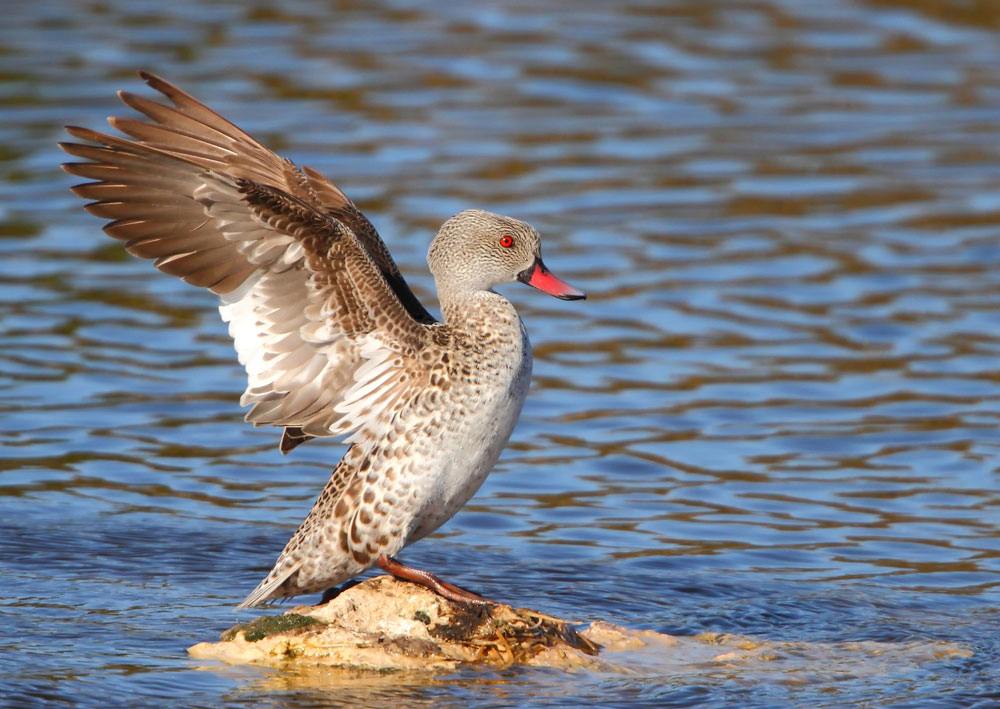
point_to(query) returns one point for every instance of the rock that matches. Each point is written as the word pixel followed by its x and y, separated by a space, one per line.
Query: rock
pixel 384 624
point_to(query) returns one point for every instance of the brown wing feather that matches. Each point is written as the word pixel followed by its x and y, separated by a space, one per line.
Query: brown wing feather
pixel 304 276
pixel 256 162
pixel 340 263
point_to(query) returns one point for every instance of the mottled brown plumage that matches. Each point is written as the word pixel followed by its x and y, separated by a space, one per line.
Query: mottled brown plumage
pixel 333 340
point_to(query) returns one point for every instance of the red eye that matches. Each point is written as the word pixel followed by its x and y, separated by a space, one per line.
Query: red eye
pixel 506 241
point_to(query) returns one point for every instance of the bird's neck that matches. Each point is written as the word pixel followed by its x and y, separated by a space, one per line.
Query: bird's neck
pixel 479 308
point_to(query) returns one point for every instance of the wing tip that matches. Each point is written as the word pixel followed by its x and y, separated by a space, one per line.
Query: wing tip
pixel 75 168
pixel 150 78
pixel 164 87
pixel 79 132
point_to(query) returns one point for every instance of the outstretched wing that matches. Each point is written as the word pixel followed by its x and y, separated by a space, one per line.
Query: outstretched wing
pixel 309 290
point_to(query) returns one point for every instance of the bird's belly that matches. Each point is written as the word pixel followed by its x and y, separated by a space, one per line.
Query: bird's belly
pixel 456 462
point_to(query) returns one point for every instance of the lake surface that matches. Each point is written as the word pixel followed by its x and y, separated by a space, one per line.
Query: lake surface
pixel 778 414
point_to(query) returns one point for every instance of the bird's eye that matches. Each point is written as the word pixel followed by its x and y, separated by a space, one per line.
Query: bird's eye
pixel 506 241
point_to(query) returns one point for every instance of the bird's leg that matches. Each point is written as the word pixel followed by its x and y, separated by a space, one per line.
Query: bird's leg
pixel 426 578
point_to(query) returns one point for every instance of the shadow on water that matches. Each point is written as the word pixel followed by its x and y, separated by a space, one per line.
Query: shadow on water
pixel 777 415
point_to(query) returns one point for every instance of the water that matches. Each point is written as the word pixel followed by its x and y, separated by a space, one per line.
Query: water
pixel 777 414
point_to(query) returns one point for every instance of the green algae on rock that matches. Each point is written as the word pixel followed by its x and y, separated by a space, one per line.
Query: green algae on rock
pixel 269 625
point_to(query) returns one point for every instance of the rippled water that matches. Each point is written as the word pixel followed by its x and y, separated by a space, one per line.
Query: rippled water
pixel 778 414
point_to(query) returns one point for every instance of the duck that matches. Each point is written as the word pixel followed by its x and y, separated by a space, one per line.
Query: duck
pixel 334 342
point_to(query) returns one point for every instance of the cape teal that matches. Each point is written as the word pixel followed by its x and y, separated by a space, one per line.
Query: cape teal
pixel 333 340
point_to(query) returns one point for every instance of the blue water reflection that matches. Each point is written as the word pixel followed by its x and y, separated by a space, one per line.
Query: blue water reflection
pixel 776 415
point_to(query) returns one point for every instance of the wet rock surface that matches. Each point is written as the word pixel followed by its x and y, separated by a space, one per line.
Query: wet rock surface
pixel 383 624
